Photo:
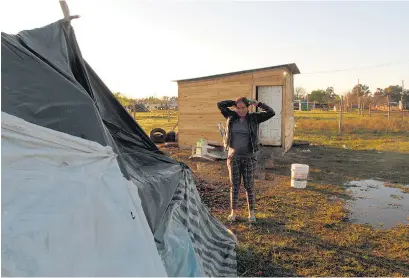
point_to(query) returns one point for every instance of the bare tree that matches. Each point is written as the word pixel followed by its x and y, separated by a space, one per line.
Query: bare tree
pixel 300 93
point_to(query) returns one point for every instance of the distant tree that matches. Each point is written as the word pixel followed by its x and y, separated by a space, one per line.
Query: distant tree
pixel 153 100
pixel 378 97
pixel 125 101
pixel 300 93
pixel 331 97
pixel 394 92
pixel 327 96
pixel 318 96
pixel 379 92
pixel 329 91
pixel 361 90
pixel 360 93
pixel 406 95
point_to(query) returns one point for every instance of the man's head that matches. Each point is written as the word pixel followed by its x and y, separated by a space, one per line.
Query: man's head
pixel 242 106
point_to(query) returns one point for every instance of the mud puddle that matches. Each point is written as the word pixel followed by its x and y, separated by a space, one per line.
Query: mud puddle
pixel 375 204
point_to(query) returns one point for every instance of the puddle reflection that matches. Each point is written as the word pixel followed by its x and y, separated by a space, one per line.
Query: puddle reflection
pixel 374 203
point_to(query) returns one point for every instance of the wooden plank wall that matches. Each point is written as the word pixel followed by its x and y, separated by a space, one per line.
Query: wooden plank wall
pixel 198 112
pixel 289 118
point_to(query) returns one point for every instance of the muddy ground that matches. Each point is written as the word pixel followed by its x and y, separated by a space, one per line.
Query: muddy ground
pixel 337 166
pixel 307 232
pixel 328 166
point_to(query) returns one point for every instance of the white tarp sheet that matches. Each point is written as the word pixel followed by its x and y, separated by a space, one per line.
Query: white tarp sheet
pixel 67 210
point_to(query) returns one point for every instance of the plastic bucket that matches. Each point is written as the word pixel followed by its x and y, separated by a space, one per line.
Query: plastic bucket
pixel 299 175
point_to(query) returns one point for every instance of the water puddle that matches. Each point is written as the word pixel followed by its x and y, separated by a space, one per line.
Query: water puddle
pixel 374 203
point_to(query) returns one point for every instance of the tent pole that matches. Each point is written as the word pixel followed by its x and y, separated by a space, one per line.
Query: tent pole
pixel 66 11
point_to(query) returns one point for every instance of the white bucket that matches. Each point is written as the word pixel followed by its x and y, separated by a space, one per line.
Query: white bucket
pixel 299 175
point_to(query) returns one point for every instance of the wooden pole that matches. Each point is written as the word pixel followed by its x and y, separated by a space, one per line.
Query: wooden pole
pixel 362 109
pixel 369 110
pixel 134 109
pixel 359 99
pixel 401 100
pixel 65 9
pixel 168 112
pixel 389 109
pixel 308 107
pixel 347 99
pixel 359 106
pixel 340 116
pixel 66 12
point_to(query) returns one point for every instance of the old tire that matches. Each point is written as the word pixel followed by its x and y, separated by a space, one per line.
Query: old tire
pixel 158 135
pixel 171 136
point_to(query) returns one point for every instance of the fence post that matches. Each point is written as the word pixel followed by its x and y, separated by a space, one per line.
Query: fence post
pixel 389 109
pixel 134 109
pixel 346 97
pixel 369 110
pixel 340 116
pixel 308 107
pixel 168 114
pixel 403 108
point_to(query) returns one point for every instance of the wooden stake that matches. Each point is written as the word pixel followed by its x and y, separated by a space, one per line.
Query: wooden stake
pixel 401 100
pixel 340 116
pixel 359 106
pixel 168 114
pixel 134 109
pixel 66 11
pixel 308 107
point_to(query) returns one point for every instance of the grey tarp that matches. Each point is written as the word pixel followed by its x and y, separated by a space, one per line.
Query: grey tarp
pixel 46 81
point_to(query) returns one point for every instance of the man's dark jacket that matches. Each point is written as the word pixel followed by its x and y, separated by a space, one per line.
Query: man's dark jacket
pixel 253 120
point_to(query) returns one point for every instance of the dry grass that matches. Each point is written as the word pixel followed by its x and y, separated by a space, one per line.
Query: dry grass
pixel 352 123
pixel 301 232
pixel 307 232
pixel 358 133
pixel 157 119
pixel 321 128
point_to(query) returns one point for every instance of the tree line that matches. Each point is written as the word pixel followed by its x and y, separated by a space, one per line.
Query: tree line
pixel 359 94
pixel 127 101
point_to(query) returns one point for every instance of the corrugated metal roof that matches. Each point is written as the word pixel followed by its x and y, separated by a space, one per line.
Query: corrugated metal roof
pixel 291 67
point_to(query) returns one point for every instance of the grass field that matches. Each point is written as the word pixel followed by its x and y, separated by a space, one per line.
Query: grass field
pixel 157 119
pixel 308 232
pixel 358 133
pixel 321 128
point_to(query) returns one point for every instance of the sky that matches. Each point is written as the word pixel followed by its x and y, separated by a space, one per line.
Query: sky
pixel 139 47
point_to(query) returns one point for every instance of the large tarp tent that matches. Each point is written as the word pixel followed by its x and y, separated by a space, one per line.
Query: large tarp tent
pixel 67 210
pixel 46 82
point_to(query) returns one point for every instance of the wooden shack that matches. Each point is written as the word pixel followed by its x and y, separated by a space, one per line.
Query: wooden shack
pixel 199 115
